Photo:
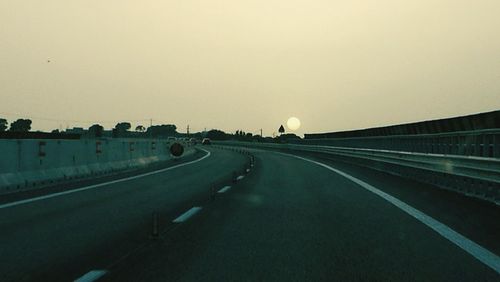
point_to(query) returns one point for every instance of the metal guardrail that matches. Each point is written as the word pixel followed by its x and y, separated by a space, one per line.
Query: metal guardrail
pixel 481 143
pixel 477 177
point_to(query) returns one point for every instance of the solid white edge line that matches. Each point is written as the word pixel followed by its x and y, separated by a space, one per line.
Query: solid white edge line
pixel 224 189
pixel 92 275
pixel 21 202
pixel 488 258
pixel 185 216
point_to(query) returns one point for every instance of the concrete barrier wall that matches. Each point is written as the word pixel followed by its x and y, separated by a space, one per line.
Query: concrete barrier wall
pixel 33 163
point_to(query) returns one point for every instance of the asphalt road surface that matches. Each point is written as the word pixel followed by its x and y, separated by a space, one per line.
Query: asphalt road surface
pixel 287 219
pixel 56 239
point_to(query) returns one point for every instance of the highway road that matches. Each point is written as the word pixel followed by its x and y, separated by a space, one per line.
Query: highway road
pixel 55 239
pixel 306 218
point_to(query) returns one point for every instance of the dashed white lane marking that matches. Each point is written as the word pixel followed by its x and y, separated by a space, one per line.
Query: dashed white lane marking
pixel 92 275
pixel 185 216
pixel 224 189
pixel 17 203
pixel 488 258
pixel 248 170
pixel 240 177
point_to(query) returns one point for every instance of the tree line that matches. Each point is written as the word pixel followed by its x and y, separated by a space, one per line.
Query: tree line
pixel 20 125
pixel 241 135
pixel 123 129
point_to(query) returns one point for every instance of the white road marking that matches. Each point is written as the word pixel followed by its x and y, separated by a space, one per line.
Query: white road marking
pixel 224 189
pixel 248 170
pixel 185 216
pixel 240 177
pixel 21 202
pixel 92 275
pixel 488 258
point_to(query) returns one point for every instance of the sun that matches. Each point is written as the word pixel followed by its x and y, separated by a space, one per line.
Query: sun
pixel 293 123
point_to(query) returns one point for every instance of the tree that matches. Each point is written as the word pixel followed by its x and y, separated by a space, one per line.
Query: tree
pixel 21 125
pixel 96 130
pixel 258 138
pixel 289 136
pixel 121 129
pixel 162 130
pixel 123 126
pixel 3 124
pixel 216 134
pixel 281 130
pixel 55 131
pixel 140 128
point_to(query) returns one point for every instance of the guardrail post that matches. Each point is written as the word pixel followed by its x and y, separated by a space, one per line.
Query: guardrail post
pixel 496 145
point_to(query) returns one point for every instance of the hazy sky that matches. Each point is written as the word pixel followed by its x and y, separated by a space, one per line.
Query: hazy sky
pixel 234 64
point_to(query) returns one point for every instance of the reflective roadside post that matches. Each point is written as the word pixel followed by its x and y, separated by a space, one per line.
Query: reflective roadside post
pixel 155 231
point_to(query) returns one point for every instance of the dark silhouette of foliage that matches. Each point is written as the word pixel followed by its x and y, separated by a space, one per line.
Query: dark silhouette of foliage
pixel 284 138
pixel 197 135
pixel 258 138
pixel 96 130
pixel 123 126
pixel 21 125
pixel 121 129
pixel 289 136
pixel 216 134
pixel 240 133
pixel 140 128
pixel 3 124
pixel 162 130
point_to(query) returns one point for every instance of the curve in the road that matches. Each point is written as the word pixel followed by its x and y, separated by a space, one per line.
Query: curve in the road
pixel 40 198
pixel 477 251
